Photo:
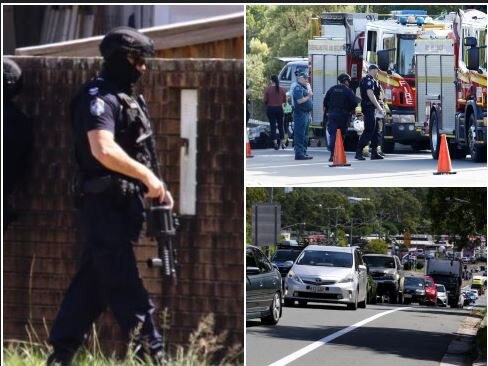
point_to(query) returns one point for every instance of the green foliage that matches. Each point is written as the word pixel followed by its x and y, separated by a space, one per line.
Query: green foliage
pixel 458 212
pixel 341 238
pixel 202 347
pixel 376 246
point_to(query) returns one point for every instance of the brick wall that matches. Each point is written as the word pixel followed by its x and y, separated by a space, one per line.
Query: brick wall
pixel 43 242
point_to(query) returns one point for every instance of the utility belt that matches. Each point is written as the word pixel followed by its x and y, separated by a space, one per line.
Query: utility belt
pixel 111 184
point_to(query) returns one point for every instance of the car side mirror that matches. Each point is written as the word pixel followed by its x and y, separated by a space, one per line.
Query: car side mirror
pixel 252 271
pixel 384 59
pixel 473 61
pixel 362 268
pixel 289 263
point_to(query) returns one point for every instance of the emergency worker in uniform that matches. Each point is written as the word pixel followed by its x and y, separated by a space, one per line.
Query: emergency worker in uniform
pixel 302 99
pixel 370 90
pixel 339 104
pixel 113 149
pixel 18 138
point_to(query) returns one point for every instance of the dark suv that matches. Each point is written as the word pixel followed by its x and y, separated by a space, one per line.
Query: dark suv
pixel 283 257
pixel 387 272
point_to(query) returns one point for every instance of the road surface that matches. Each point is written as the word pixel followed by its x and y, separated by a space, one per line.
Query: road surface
pixel 382 334
pixel 279 168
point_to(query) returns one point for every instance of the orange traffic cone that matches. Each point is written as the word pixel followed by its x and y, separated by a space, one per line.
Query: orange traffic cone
pixel 444 163
pixel 248 148
pixel 339 153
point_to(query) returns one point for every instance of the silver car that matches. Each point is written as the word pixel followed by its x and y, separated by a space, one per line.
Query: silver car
pixel 441 295
pixel 328 274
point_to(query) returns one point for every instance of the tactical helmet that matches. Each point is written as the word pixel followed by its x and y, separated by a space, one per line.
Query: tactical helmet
pixel 12 77
pixel 127 40
pixel 343 78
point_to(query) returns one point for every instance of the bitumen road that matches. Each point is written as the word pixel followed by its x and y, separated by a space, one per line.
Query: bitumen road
pixel 382 334
pixel 404 167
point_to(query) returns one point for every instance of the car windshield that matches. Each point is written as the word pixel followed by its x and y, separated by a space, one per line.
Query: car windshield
pixel 325 259
pixel 406 56
pixel 414 282
pixel 382 262
pixel 285 255
pixel 441 288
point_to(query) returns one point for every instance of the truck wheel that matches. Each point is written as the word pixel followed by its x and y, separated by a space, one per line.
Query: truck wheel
pixel 434 137
pixel 478 153
pixel 388 146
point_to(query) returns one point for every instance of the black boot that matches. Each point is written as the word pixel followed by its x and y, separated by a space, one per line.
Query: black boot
pixel 359 155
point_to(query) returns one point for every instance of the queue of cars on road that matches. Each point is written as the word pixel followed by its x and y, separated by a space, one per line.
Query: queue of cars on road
pixel 338 275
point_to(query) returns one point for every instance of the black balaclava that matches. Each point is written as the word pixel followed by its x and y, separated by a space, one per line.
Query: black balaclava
pixel 120 72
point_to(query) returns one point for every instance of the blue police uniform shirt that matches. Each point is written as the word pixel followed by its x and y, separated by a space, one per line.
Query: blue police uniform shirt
pixel 300 92
pixel 368 82
pixel 94 108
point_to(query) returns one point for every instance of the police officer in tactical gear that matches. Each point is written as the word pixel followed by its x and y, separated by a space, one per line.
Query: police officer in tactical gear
pixel 339 103
pixel 113 139
pixel 370 90
pixel 18 138
pixel 302 99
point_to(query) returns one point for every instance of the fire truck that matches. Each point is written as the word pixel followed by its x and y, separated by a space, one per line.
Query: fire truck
pixel 451 85
pixel 335 46
pixel 390 44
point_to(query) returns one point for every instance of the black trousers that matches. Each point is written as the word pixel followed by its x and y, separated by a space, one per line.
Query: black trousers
pixel 371 132
pixel 336 121
pixel 108 276
pixel 275 117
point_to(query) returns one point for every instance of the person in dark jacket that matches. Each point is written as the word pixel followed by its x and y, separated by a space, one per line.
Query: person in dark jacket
pixel 339 104
pixel 112 133
pixel 18 139
pixel 370 90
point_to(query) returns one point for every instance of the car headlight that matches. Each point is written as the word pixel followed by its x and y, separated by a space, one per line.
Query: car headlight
pixel 403 118
pixel 293 276
pixel 420 292
pixel 346 279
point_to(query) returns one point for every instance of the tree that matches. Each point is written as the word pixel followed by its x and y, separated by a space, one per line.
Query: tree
pixel 376 246
pixel 458 212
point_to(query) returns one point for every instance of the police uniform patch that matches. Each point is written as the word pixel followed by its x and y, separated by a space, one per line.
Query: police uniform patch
pixel 97 107
pixel 93 91
pixel 369 83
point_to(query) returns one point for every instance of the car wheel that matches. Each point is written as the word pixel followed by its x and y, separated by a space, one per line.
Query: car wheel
pixel 407 301
pixel 393 297
pixel 353 305
pixel 401 300
pixel 302 303
pixel 289 302
pixel 274 310
pixel 362 304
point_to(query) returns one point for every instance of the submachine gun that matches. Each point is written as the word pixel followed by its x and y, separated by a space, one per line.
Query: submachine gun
pixel 162 224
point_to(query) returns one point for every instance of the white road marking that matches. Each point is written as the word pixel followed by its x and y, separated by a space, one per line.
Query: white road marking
pixel 302 352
